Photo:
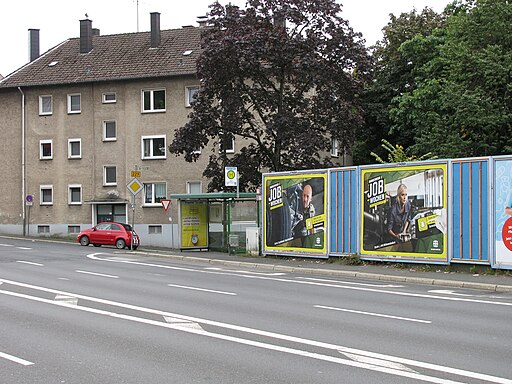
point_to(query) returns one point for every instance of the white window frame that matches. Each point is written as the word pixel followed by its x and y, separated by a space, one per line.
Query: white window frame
pixel 104 99
pixel 45 188
pixel 152 156
pixel 232 149
pixel 105 138
pixel 70 97
pixel 189 93
pixel 70 154
pixel 153 202
pixel 334 147
pixel 152 100
pixel 41 104
pixel 70 194
pixel 195 182
pixel 41 143
pixel 105 182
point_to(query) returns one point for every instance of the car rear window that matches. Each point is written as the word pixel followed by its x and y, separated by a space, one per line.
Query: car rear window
pixel 128 227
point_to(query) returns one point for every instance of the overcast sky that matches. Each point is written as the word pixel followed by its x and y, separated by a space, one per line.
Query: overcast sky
pixel 58 20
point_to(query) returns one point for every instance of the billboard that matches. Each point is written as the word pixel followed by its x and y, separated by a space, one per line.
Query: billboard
pixel 194 225
pixel 404 212
pixel 503 212
pixel 295 217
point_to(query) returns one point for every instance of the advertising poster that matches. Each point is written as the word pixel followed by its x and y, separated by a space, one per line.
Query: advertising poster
pixel 295 213
pixel 404 211
pixel 503 212
pixel 194 225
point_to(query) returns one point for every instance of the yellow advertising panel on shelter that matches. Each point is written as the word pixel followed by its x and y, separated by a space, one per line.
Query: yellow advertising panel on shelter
pixel 194 225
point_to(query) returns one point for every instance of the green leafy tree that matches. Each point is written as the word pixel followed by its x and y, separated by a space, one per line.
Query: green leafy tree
pixel 461 105
pixel 397 154
pixel 282 77
pixel 392 75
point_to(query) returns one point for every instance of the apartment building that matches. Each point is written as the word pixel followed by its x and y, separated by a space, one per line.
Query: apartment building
pixel 76 121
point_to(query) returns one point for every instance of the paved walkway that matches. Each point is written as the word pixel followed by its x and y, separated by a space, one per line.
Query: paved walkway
pixel 438 275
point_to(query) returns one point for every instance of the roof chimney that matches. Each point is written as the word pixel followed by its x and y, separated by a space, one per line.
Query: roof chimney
pixel 95 32
pixel 85 36
pixel 33 41
pixel 155 29
pixel 202 21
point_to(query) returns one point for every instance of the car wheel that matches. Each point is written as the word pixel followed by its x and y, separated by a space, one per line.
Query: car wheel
pixel 97 245
pixel 84 241
pixel 120 244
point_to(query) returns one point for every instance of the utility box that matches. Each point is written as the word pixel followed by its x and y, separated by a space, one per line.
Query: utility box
pixel 252 241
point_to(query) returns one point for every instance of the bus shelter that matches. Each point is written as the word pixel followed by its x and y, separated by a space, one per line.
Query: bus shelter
pixel 219 221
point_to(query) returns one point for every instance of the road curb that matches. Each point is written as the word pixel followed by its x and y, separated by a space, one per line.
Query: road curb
pixel 339 273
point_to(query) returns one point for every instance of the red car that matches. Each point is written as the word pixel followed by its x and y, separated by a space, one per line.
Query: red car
pixel 118 234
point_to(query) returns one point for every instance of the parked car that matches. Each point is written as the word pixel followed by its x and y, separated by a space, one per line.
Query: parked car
pixel 111 233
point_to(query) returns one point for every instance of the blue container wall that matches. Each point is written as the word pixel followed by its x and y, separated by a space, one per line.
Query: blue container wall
pixel 343 211
pixel 470 210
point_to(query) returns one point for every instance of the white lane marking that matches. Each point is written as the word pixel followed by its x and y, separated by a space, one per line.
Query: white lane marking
pixel 30 263
pixel 373 314
pixel 15 359
pixel 352 283
pixel 294 339
pixel 449 292
pixel 6 245
pixel 24 248
pixel 405 294
pixel 64 278
pixel 378 362
pixel 257 344
pixel 247 272
pixel 71 300
pixel 97 274
pixel 182 323
pixel 201 289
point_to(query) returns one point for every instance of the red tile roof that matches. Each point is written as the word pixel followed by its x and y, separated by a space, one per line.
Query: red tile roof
pixel 113 57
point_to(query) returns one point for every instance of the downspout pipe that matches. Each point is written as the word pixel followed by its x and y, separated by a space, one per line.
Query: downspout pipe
pixel 23 174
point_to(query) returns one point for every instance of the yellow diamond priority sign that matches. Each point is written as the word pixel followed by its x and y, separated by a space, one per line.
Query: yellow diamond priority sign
pixel 134 186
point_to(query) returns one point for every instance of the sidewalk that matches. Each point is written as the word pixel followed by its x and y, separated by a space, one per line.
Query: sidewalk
pixel 436 275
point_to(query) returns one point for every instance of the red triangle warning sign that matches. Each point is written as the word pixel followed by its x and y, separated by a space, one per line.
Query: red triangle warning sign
pixel 166 204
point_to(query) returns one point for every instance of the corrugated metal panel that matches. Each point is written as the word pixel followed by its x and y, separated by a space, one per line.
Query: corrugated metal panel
pixel 470 210
pixel 344 212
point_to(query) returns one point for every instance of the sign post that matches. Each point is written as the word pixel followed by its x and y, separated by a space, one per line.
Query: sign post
pixel 134 186
pixel 231 178
pixel 166 204
pixel 29 200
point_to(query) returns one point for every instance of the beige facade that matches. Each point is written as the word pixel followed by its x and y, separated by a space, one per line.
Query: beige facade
pixel 76 122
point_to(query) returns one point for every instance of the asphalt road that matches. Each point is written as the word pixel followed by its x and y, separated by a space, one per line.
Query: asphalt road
pixel 74 314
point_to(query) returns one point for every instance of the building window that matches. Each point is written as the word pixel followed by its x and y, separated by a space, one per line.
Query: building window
pixel 227 142
pixel 109 175
pixel 153 100
pixel 72 229
pixel 153 147
pixel 109 97
pixel 75 194
pixel 193 187
pixel 46 194
pixel 74 103
pixel 43 229
pixel 74 148
pixel 190 95
pixel 155 229
pixel 109 130
pixel 154 193
pixel 334 147
pixel 46 149
pixel 45 105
